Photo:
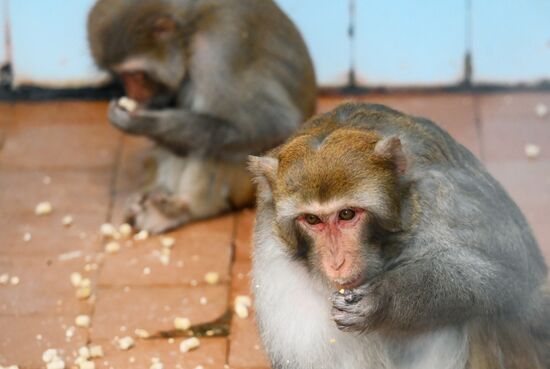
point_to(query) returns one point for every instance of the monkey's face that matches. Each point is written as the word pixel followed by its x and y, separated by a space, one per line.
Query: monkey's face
pixel 334 196
pixel 335 235
pixel 143 44
pixel 152 83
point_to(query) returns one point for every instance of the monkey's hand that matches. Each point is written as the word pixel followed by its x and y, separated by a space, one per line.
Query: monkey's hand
pixel 360 310
pixel 138 121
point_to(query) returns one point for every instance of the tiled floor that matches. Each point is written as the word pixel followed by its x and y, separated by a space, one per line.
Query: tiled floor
pixel 66 153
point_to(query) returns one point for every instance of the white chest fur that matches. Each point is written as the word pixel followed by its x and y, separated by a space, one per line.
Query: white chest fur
pixel 293 311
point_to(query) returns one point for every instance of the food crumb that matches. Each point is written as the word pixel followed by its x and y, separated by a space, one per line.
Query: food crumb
pixel 83 293
pixel 86 364
pixel 67 220
pixel 167 242
pixel 49 355
pixel 107 230
pixel 69 332
pixel 125 343
pixel 96 351
pixel 164 259
pixel 52 359
pixel 125 230
pixel 112 247
pixel 156 363
pixel 182 323
pixel 189 344
pixel 27 237
pixel 82 321
pixel 141 235
pixel 532 151
pixel 212 278
pixel 127 103
pixel 241 305
pixel 76 279
pixel 541 110
pixel 43 208
pixel 84 352
pixel 141 333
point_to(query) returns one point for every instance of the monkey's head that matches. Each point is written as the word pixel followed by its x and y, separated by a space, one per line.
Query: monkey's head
pixel 335 193
pixel 142 43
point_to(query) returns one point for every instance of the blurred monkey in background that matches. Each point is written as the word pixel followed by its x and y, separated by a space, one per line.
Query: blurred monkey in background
pixel 210 82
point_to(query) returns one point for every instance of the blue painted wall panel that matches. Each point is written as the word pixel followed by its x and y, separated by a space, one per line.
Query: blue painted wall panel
pixel 324 25
pixel 403 42
pixel 511 40
pixel 397 42
pixel 3 24
pixel 49 43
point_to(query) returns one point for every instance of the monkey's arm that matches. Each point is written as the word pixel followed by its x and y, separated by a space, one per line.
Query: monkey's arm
pixel 205 135
pixel 447 287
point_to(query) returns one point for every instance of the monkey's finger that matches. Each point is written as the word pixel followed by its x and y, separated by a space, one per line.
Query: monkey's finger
pixel 349 323
pixel 343 305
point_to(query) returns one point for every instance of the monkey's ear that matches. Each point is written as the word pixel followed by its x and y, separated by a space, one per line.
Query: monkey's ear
pixel 264 171
pixel 164 27
pixel 390 148
pixel 263 166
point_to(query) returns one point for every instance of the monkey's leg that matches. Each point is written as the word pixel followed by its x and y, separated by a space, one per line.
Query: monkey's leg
pixel 199 189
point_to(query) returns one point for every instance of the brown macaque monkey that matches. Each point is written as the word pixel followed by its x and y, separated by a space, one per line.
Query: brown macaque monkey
pixel 382 243
pixel 210 81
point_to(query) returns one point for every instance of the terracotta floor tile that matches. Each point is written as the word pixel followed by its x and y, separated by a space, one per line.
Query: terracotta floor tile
pixel 245 349
pixel 19 343
pixel 47 139
pixel 44 286
pixel 509 122
pixel 200 248
pixel 453 112
pixel 59 135
pixel 119 311
pixel 83 195
pixel 528 183
pixel 243 234
pixel 210 354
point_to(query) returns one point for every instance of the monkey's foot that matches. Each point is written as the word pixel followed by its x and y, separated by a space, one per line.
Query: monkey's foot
pixel 362 309
pixel 157 212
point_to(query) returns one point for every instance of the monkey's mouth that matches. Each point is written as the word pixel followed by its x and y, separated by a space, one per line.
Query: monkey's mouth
pixel 351 283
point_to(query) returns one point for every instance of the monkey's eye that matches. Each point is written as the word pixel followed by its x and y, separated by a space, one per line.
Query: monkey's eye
pixel 346 214
pixel 312 219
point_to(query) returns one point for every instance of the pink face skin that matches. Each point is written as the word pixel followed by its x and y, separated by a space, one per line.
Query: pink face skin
pixel 337 242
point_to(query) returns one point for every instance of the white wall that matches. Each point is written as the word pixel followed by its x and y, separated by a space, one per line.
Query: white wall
pixel 49 47
pixel 410 43
pixel 511 41
pixel 397 42
pixel 4 56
